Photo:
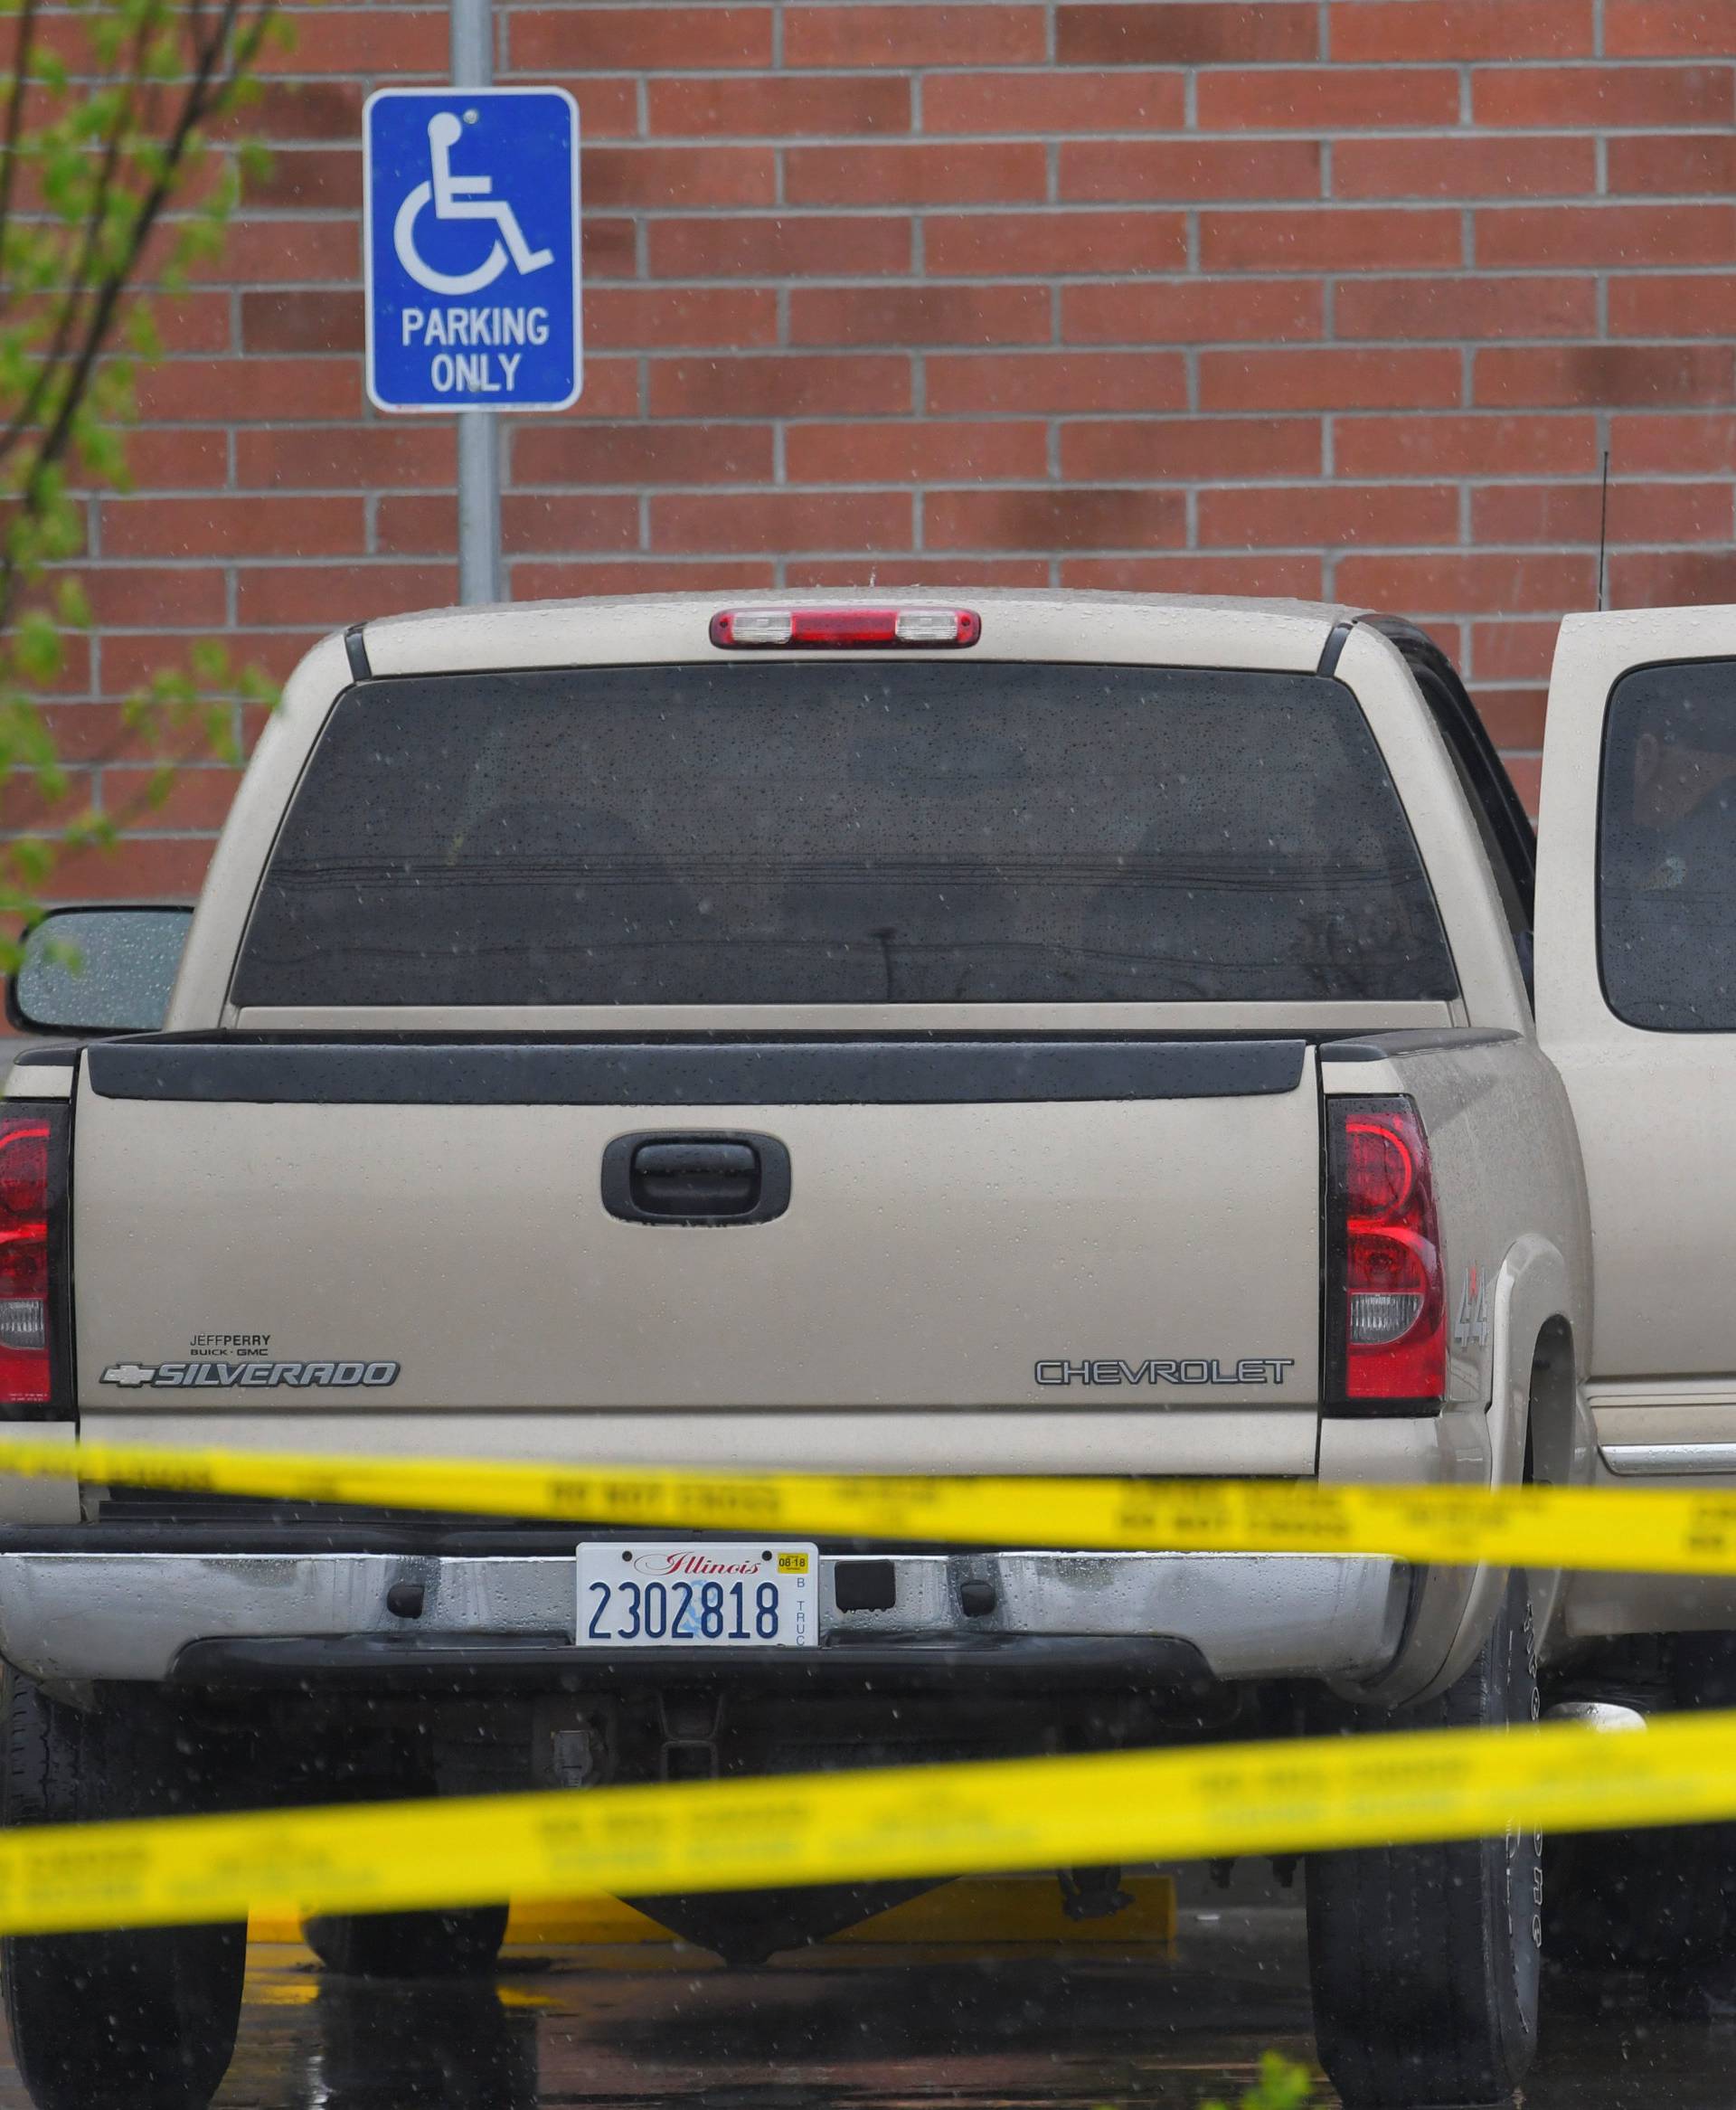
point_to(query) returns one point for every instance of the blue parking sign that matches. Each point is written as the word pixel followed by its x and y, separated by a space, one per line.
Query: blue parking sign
pixel 471 228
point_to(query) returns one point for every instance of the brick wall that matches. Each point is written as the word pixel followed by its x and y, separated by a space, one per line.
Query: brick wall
pixel 1341 299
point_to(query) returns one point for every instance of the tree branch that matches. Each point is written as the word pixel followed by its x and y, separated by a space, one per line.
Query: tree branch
pixel 14 123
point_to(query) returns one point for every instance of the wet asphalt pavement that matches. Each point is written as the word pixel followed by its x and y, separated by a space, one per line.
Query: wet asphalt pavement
pixel 878 2031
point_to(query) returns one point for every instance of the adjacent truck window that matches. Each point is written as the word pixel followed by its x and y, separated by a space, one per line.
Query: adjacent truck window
pixel 1667 847
pixel 910 833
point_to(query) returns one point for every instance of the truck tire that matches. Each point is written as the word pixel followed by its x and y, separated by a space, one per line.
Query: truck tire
pixel 1425 1960
pixel 409 1944
pixel 133 2019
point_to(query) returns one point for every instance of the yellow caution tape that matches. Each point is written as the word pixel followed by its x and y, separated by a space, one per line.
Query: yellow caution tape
pixel 1124 1807
pixel 1657 1530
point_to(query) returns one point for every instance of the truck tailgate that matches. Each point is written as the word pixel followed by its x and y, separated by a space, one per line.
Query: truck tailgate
pixel 387 1228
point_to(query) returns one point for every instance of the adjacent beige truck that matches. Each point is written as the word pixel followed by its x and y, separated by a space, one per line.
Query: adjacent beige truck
pixel 1045 1033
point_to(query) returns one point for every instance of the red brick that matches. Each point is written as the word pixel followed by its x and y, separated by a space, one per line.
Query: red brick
pixel 1328 99
pixel 1182 449
pixel 283 596
pixel 303 321
pixel 1673 164
pixel 100 732
pixel 1691 444
pixel 1192 33
pixel 1572 513
pixel 1181 171
pixel 1376 31
pixel 1701 304
pixel 920 315
pixel 172 459
pixel 634 456
pixel 1599 96
pixel 141 596
pixel 1047 244
pixel 141 869
pixel 1671 578
pixel 775 522
pixel 1517 651
pixel 1328 516
pixel 655 178
pixel 298 109
pixel 199 798
pixel 373 39
pixel 1450 583
pixel 732 318
pixel 535 522
pixel 916 451
pixel 1054 519
pixel 960 570
pixel 230 526
pixel 210 390
pixel 536 578
pixel 1192 311
pixel 631 39
pixel 282 252
pixel 1483 444
pixel 1669 29
pixel 965 385
pixel 1635 376
pixel 1051 102
pixel 1364 239
pixel 1466 305
pixel 1515 717
pixel 1480 167
pixel 1001 171
pixel 1527 780
pixel 861 246
pixel 26 808
pixel 310 179
pixel 610 247
pixel 779 106
pixel 1327 379
pixel 366 458
pixel 791 387
pixel 611 389
pixel 551 524
pixel 1558 236
pixel 1194 573
pixel 984 34
pixel 192 322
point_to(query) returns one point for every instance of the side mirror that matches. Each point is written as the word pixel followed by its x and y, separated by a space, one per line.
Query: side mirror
pixel 93 970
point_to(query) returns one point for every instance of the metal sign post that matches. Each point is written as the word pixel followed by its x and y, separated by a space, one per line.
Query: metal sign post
pixel 471 213
pixel 480 577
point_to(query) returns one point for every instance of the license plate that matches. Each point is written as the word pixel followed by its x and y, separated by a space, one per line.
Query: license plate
pixel 698 1596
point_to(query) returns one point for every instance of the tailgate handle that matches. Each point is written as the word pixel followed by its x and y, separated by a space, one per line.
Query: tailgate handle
pixel 695 1179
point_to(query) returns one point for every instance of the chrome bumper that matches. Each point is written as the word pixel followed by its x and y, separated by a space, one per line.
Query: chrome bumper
pixel 130 1615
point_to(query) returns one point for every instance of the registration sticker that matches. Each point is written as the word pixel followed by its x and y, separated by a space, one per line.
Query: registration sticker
pixel 703 1594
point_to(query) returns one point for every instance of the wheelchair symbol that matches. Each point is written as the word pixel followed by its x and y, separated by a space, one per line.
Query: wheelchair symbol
pixel 460 197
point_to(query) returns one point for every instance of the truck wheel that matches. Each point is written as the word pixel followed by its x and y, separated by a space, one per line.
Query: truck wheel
pixel 409 1944
pixel 134 2018
pixel 1424 1960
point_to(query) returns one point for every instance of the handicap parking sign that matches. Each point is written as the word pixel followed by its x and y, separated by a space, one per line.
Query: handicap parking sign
pixel 471 227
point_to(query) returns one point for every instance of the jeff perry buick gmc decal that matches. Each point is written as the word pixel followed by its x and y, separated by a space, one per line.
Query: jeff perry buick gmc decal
pixel 228 1362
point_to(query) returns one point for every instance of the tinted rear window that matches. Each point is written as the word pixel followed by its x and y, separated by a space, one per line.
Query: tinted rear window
pixel 913 832
pixel 1666 848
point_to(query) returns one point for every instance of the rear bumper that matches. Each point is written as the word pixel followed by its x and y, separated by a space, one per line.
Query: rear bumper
pixel 144 1615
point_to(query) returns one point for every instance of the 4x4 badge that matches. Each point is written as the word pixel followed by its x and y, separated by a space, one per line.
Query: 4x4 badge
pixel 1472 1324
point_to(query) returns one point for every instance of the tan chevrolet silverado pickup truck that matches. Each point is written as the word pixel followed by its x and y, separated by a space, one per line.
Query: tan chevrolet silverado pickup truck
pixel 1048 1033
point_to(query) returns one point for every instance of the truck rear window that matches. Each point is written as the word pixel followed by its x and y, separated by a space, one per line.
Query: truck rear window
pixel 913 832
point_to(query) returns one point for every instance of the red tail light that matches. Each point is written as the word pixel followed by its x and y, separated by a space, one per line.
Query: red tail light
pixel 1386 1313
pixel 32 1190
pixel 841 629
